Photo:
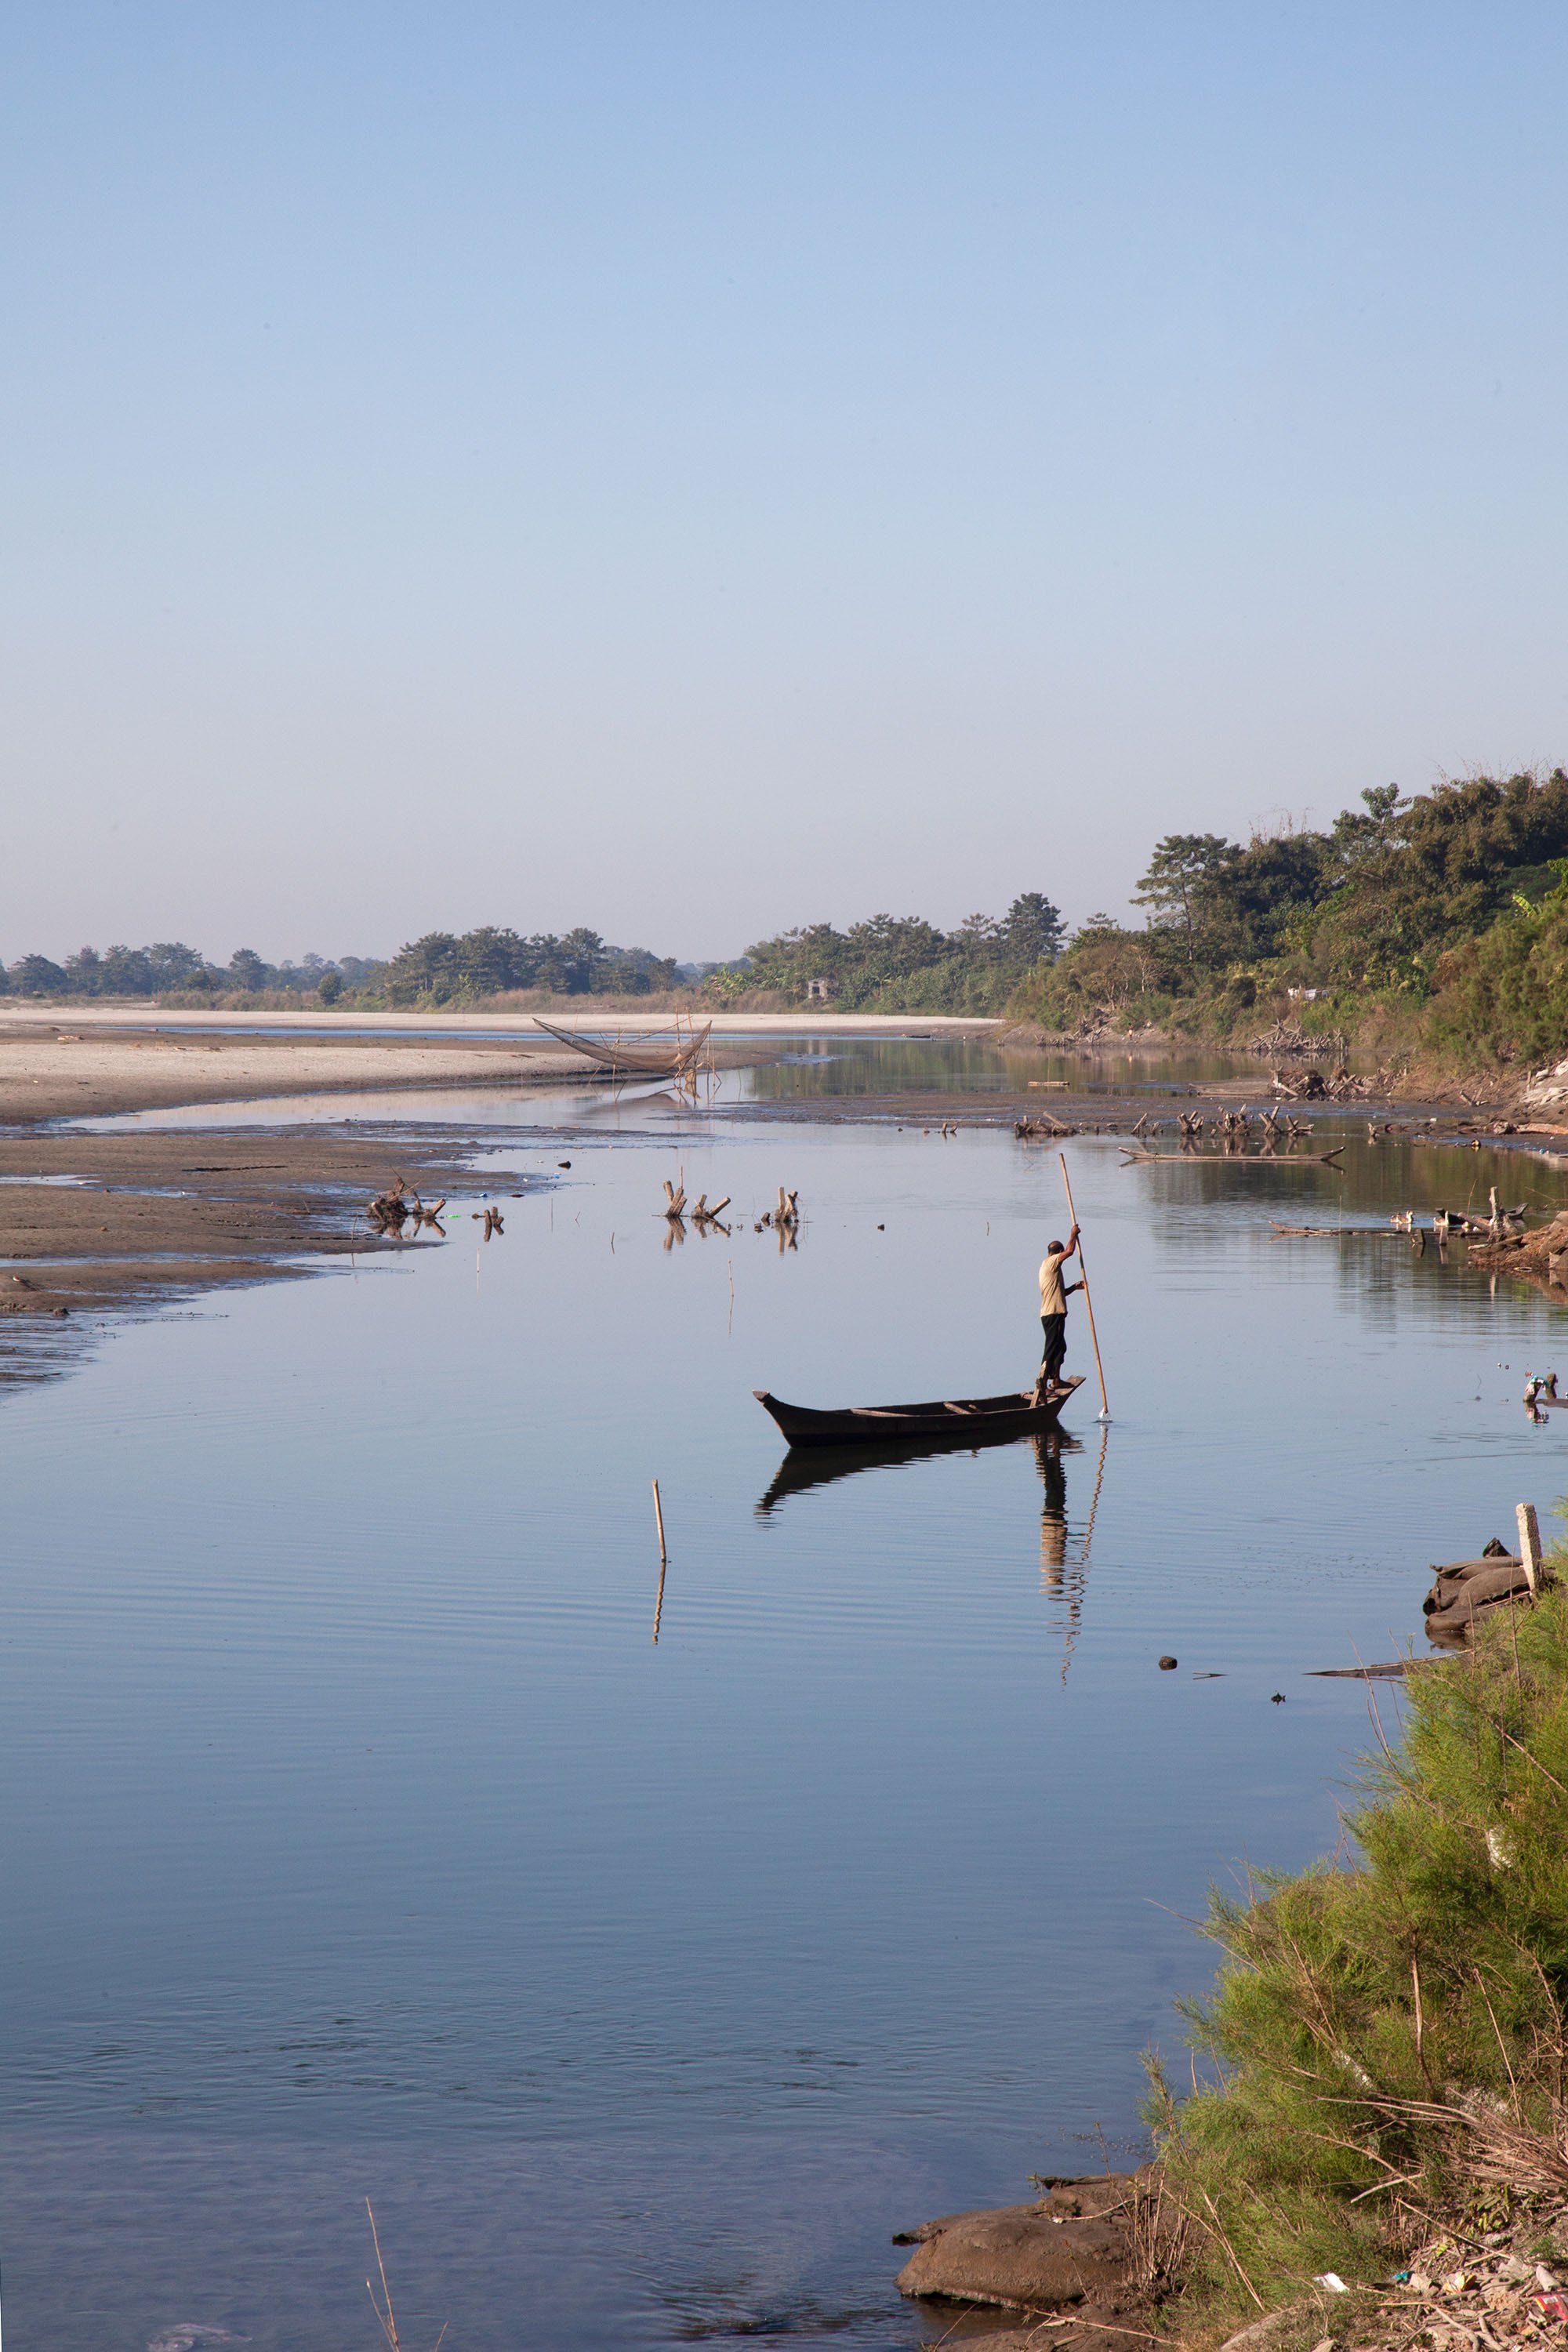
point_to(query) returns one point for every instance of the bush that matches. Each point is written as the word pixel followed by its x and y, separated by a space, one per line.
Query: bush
pixel 1505 995
pixel 1387 2041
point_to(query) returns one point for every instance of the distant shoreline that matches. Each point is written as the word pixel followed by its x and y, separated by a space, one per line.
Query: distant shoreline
pixel 511 1024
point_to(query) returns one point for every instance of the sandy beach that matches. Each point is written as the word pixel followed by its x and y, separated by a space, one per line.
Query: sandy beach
pixel 85 1070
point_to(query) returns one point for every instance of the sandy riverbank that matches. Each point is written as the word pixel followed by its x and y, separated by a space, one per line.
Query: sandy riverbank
pixel 93 1223
pixel 120 1059
pixel 598 1019
pixel 50 1072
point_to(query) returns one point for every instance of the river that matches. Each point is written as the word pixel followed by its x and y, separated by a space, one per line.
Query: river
pixel 361 1840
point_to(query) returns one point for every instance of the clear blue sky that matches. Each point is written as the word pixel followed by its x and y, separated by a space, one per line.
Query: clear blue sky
pixel 692 469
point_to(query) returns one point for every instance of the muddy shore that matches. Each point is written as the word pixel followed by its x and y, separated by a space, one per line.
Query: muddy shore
pixel 92 1224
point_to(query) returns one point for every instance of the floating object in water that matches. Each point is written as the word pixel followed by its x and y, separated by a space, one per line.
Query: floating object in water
pixel 965 1421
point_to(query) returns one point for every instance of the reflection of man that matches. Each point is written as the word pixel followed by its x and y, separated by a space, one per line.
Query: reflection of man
pixel 1053 1511
pixel 1054 1297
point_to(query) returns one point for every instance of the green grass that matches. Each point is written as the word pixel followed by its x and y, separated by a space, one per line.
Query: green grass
pixel 1383 2050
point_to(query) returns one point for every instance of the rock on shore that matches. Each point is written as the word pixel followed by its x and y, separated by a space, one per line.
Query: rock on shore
pixel 1086 2246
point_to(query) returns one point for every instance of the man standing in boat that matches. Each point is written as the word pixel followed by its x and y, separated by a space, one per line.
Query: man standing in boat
pixel 1054 1297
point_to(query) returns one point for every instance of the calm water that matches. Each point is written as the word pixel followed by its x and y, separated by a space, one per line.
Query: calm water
pixel 360 1838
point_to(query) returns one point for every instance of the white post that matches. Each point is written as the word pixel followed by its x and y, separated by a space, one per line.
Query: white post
pixel 1530 1544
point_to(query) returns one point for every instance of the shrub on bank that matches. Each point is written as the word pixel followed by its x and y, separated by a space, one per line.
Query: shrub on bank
pixel 1387 2042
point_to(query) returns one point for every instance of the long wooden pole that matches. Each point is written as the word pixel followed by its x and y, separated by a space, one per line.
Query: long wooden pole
pixel 663 1564
pixel 1087 1300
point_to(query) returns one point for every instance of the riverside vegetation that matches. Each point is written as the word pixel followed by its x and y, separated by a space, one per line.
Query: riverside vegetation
pixel 888 963
pixel 1434 925
pixel 1387 2043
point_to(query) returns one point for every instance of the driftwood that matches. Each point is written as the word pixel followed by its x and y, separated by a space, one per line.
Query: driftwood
pixel 1135 1158
pixel 783 1218
pixel 391 1211
pixel 1386 1671
pixel 1342 1233
pixel 1311 1086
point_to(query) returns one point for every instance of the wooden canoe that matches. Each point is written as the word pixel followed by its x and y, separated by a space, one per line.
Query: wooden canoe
pixel 958 1420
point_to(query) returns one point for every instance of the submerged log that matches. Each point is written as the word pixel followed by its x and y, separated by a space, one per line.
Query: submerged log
pixel 1136 1159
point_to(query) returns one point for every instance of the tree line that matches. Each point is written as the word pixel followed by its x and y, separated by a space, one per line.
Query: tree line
pixel 444 966
pixel 900 963
pixel 904 964
pixel 1442 915
pixel 1447 907
pixel 440 968
pixel 169 967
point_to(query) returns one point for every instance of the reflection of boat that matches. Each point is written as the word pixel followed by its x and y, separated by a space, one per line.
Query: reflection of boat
pixel 626 1061
pixel 959 1421
pixel 818 1465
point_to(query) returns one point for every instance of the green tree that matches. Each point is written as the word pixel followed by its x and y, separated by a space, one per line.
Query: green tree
pixel 425 967
pixel 126 972
pixel 173 964
pixel 247 970
pixel 35 975
pixel 1032 931
pixel 1182 866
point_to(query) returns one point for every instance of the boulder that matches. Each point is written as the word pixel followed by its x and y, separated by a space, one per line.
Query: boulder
pixel 1069 2246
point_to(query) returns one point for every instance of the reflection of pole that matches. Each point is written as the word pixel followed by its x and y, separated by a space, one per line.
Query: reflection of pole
pixel 1094 1504
pixel 1076 1604
pixel 1104 1413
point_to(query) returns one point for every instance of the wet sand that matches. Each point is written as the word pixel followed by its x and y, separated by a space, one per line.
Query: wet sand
pixel 92 1224
pixel 101 1067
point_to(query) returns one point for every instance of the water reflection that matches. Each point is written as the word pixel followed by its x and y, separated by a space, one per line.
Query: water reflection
pixel 825 1466
pixel 371 1844
pixel 1063 1579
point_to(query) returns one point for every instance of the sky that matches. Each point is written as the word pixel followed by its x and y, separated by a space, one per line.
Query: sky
pixel 696 466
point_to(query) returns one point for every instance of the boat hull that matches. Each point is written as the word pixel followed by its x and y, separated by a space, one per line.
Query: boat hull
pixel 955 1421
